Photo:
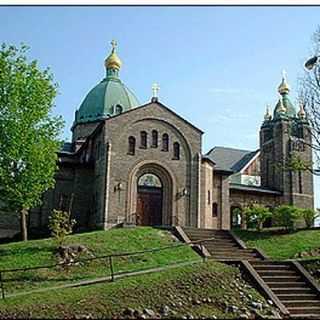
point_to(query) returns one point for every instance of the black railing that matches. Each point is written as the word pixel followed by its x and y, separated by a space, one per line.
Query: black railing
pixel 109 258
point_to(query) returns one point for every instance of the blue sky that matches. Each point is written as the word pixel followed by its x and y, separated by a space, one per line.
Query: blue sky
pixel 217 66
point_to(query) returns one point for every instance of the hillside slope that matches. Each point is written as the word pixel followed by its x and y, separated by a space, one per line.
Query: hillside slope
pixel 208 290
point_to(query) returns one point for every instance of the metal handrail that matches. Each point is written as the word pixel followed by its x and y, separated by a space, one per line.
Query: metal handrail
pixel 109 257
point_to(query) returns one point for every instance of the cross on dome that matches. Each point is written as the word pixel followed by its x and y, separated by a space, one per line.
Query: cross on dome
pixel 114 44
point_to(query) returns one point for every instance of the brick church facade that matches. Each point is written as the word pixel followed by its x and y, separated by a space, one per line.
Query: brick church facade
pixel 143 164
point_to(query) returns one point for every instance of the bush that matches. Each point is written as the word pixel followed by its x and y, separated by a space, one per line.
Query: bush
pixel 309 215
pixel 257 215
pixel 287 216
pixel 60 225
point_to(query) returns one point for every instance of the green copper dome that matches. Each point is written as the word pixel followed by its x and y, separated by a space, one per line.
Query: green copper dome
pixel 290 110
pixel 110 97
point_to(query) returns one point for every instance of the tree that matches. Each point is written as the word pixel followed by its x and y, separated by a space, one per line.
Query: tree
pixel 310 98
pixel 28 132
pixel 309 216
pixel 287 216
pixel 60 225
pixel 257 215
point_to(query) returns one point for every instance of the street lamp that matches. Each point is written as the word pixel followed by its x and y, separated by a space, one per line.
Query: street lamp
pixel 311 63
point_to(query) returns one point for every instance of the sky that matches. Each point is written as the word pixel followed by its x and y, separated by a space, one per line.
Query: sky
pixel 216 66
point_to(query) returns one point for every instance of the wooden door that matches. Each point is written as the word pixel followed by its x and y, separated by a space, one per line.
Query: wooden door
pixel 149 206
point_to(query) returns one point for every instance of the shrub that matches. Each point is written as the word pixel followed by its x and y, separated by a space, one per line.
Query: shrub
pixel 257 215
pixel 287 216
pixel 309 215
pixel 60 225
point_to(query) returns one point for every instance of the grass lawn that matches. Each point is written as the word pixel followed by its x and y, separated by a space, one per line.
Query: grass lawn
pixel 177 288
pixel 281 246
pixel 41 252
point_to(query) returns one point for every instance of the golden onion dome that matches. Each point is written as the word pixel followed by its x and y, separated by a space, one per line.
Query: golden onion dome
pixel 267 115
pixel 284 87
pixel 113 61
pixel 301 112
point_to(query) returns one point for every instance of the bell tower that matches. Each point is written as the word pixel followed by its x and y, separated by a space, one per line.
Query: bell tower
pixel 285 136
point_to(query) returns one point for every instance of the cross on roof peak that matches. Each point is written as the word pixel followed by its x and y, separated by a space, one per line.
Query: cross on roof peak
pixel 155 90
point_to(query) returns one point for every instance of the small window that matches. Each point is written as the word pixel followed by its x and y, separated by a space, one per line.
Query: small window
pixel 118 109
pixel 214 209
pixel 209 197
pixel 300 181
pixel 165 142
pixel 154 139
pixel 300 132
pixel 143 139
pixel 176 151
pixel 131 145
pixel 98 150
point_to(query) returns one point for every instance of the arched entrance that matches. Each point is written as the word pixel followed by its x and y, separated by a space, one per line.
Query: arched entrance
pixel 149 200
pixel 150 195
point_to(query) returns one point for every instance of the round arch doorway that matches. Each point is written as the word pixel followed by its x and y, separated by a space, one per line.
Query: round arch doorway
pixel 149 200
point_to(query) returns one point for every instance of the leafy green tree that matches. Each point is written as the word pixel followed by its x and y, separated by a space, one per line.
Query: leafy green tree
pixel 257 214
pixel 309 215
pixel 287 216
pixel 60 225
pixel 28 132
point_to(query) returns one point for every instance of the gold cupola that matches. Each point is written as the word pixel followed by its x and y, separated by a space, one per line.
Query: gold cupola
pixel 267 115
pixel 284 87
pixel 301 112
pixel 113 61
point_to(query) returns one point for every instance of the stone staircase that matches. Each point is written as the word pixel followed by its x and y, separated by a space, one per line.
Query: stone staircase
pixel 287 283
pixel 223 247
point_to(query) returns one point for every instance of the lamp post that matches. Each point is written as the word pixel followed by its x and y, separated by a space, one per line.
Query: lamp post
pixel 311 63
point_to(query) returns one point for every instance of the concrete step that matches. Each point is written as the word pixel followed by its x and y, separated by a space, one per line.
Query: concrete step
pixel 232 259
pixel 305 310
pixel 270 262
pixel 294 278
pixel 299 303
pixel 297 291
pixel 304 316
pixel 269 267
pixel 300 296
pixel 275 273
pixel 287 285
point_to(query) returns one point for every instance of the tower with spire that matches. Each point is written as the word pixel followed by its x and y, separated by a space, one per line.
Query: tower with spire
pixel 285 136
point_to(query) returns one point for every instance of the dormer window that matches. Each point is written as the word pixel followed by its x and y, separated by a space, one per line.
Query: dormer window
pixel 119 109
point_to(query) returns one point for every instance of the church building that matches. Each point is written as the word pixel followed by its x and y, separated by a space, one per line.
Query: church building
pixel 138 164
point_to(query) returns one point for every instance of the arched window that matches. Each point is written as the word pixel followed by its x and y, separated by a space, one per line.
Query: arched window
pixel 131 145
pixel 165 142
pixel 154 139
pixel 176 151
pixel 143 139
pixel 118 109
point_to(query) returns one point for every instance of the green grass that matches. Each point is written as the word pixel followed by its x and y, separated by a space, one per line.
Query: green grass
pixel 41 252
pixel 212 280
pixel 281 246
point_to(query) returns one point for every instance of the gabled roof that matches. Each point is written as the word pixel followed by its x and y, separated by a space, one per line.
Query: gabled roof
pixel 149 104
pixel 230 159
